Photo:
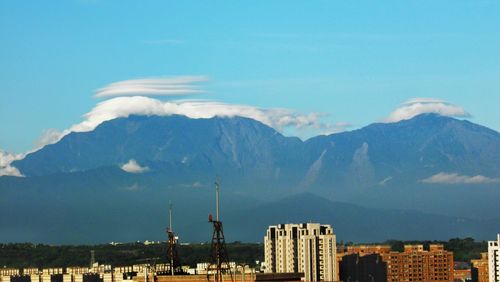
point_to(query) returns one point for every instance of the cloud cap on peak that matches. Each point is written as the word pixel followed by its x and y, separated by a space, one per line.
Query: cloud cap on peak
pixel 139 105
pixel 417 106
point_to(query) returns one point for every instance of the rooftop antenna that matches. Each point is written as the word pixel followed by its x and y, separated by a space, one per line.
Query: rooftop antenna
pixel 219 262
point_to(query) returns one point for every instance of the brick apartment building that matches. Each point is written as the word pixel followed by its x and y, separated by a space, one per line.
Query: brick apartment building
pixel 413 264
pixel 479 269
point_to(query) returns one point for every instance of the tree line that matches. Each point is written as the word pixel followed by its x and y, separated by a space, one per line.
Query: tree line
pixel 23 255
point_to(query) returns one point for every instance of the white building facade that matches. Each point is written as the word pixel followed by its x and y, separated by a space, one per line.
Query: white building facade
pixel 494 260
pixel 309 248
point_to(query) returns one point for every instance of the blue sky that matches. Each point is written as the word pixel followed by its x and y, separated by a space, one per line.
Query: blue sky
pixel 352 61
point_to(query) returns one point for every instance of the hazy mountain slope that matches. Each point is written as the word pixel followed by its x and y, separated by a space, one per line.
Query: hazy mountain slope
pixel 82 211
pixel 355 223
pixel 379 166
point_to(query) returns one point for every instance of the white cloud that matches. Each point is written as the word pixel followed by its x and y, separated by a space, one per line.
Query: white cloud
pixel 154 86
pixel 5 164
pixel 416 106
pixel 133 167
pixel 139 105
pixel 135 102
pixel 455 178
pixel 49 136
pixel 118 107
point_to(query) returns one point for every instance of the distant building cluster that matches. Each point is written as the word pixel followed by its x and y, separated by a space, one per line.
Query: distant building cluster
pixel 107 273
pixel 97 273
pixel 310 248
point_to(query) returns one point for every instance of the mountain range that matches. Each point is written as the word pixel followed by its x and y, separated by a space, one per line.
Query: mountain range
pixel 429 177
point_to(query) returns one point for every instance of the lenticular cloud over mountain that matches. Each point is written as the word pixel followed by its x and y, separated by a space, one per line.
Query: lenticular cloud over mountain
pixel 154 86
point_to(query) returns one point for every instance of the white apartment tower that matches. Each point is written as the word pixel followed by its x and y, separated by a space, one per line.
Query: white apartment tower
pixel 494 260
pixel 309 248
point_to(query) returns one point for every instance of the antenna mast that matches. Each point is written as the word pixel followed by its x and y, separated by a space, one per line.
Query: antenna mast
pixel 172 244
pixel 170 214
pixel 217 198
pixel 219 262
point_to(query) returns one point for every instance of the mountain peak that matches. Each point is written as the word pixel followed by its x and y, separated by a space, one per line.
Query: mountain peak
pixel 427 143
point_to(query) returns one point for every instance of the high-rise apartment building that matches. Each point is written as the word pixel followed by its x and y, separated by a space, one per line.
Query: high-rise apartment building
pixel 494 260
pixel 309 248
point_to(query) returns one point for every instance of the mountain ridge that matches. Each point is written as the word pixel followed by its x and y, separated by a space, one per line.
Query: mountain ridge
pixel 377 167
pixel 265 131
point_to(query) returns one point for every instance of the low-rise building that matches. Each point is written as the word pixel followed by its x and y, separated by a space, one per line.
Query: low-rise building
pixel 9 271
pixel 461 275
